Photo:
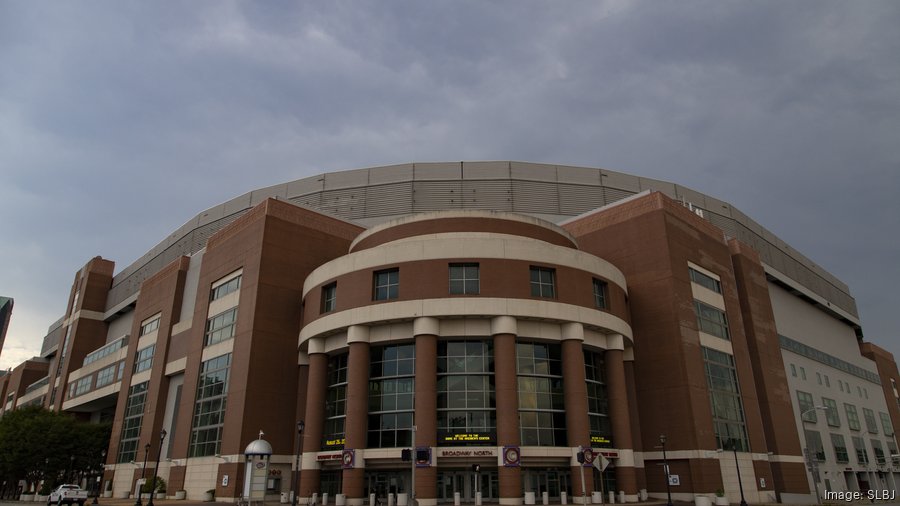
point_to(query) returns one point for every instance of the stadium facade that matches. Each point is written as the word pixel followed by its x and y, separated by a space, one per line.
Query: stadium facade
pixel 494 317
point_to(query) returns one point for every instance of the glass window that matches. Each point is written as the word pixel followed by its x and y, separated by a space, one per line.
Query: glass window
pixel 335 403
pixel 852 416
pixel 831 413
pixel 223 289
pixel 601 294
pixel 803 374
pixel 542 418
pixel 131 422
pixel 386 284
pixel 819 378
pixel 83 385
pixel 151 325
pixel 711 320
pixel 827 383
pixel 871 422
pixel 543 282
pixel 598 401
pixel 464 279
pixel 106 375
pixel 878 450
pixel 209 407
pixel 806 405
pixel 143 359
pixel 391 395
pixel 329 297
pixel 814 444
pixel 725 400
pixel 221 327
pixel 466 405
pixel 859 444
pixel 840 449
pixel 886 424
pixel 104 351
pixel 793 370
pixel 705 281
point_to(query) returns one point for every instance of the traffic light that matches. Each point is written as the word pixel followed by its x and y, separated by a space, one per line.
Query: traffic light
pixel 406 455
pixel 476 468
pixel 423 456
pixel 580 457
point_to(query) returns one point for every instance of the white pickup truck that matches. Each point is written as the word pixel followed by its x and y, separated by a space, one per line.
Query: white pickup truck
pixel 67 494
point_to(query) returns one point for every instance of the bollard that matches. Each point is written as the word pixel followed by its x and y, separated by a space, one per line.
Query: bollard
pixel 371 499
pixel 456 500
pixel 545 498
pixel 563 498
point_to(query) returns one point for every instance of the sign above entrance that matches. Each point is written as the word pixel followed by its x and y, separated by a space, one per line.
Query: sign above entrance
pixel 467 452
pixel 468 438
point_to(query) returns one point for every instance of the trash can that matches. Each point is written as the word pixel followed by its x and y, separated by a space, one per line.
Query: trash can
pixel 285 498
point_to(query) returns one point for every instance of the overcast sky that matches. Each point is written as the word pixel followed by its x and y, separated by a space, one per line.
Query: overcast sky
pixel 119 121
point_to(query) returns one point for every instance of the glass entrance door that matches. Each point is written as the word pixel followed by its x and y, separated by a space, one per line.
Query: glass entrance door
pixel 466 482
pixel 552 481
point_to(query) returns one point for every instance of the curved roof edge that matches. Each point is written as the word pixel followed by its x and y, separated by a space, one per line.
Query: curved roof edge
pixel 371 196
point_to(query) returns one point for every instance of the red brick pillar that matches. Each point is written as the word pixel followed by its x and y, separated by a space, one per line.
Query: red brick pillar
pixel 617 389
pixel 575 393
pixel 506 385
pixel 357 423
pixel 426 332
pixel 314 418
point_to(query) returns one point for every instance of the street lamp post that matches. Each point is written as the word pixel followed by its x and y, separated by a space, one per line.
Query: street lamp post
pixel 162 437
pixel 738 467
pixel 100 476
pixel 300 425
pixel 143 471
pixel 662 442
pixel 810 460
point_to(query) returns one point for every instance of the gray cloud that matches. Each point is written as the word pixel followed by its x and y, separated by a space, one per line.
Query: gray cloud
pixel 121 120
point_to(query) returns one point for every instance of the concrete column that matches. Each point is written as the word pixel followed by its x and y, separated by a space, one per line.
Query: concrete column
pixel 506 386
pixel 426 333
pixel 357 423
pixel 314 418
pixel 575 393
pixel 626 475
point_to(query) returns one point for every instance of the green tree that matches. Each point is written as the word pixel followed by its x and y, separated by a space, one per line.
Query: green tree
pixel 37 444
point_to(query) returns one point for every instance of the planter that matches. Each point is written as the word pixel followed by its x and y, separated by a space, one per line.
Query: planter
pixel 107 494
pixel 208 496
pixel 160 495
pixel 180 495
pixel 40 498
pixel 702 500
pixel 26 497
pixel 721 501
